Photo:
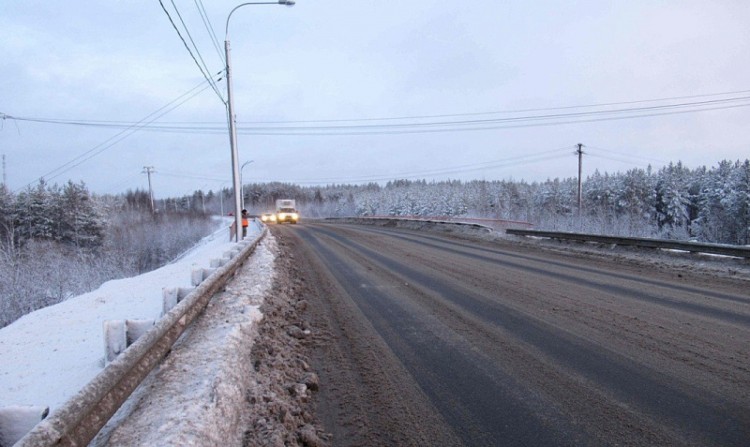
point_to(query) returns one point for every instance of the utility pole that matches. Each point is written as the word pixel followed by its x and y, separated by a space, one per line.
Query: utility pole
pixel 233 143
pixel 233 119
pixel 221 200
pixel 580 171
pixel 148 170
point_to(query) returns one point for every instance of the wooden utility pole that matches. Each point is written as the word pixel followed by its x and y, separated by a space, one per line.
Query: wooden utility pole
pixel 148 170
pixel 580 171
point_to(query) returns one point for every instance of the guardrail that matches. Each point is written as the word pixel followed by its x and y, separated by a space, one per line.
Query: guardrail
pixel 78 421
pixel 693 247
pixel 496 224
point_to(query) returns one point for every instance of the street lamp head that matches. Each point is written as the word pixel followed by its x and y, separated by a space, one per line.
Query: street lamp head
pixel 280 2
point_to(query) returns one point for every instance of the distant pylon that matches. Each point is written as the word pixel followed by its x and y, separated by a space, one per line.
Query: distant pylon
pixel 148 170
pixel 580 171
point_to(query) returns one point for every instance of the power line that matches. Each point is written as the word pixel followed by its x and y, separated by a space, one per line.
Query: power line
pixel 501 112
pixel 192 176
pixel 618 159
pixel 127 180
pixel 494 164
pixel 204 73
pixel 110 142
pixel 622 154
pixel 195 47
pixel 210 29
pixel 434 126
pixel 473 166
pixel 479 122
pixel 312 131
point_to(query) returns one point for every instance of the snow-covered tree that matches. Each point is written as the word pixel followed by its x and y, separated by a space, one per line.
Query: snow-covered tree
pixel 81 224
pixel 32 210
pixel 672 201
pixel 7 216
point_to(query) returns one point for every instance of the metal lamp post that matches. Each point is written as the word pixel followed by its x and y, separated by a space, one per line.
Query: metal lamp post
pixel 242 182
pixel 232 119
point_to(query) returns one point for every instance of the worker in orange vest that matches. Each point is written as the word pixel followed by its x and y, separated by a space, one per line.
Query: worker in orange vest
pixel 244 223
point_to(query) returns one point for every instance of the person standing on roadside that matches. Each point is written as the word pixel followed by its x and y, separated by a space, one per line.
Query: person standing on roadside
pixel 244 223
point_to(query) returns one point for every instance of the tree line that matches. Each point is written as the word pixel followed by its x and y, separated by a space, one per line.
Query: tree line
pixel 60 241
pixel 673 202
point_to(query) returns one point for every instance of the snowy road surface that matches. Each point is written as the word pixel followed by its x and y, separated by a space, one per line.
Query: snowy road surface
pixel 417 339
pixel 430 340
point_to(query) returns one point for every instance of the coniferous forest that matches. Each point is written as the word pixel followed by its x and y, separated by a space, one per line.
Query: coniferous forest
pixel 57 242
pixel 675 202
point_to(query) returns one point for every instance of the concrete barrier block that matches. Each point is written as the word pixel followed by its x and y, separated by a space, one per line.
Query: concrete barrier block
pixel 134 329
pixel 196 277
pixel 199 275
pixel 17 420
pixel 216 263
pixel 173 295
pixel 119 334
pixel 169 299
pixel 115 339
pixel 183 292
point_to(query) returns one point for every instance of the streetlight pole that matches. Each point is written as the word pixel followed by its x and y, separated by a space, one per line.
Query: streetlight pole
pixel 233 119
pixel 242 182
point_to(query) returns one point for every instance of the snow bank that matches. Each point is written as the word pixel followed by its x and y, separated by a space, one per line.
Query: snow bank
pixel 49 355
pixel 196 395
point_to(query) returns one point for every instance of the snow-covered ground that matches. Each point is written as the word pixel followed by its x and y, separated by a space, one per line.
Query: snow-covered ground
pixel 46 357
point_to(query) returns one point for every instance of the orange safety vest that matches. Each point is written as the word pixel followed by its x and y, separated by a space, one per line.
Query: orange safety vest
pixel 244 221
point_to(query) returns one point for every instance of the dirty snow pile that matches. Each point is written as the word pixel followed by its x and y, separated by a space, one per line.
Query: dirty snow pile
pixel 49 355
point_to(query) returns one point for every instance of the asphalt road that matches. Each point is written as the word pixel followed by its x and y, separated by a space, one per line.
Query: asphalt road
pixel 425 339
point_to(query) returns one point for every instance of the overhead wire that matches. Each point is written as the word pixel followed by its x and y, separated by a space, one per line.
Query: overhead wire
pixel 125 133
pixel 210 29
pixel 528 120
pixel 127 180
pixel 492 164
pixel 618 159
pixel 204 73
pixel 484 127
pixel 451 126
pixel 472 166
pixel 699 105
pixel 500 112
pixel 191 176
pixel 385 177
pixel 623 154
pixel 195 47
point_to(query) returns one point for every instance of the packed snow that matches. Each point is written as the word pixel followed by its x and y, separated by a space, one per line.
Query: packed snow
pixel 49 355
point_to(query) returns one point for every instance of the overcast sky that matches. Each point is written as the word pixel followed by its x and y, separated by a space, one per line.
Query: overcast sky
pixel 314 84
